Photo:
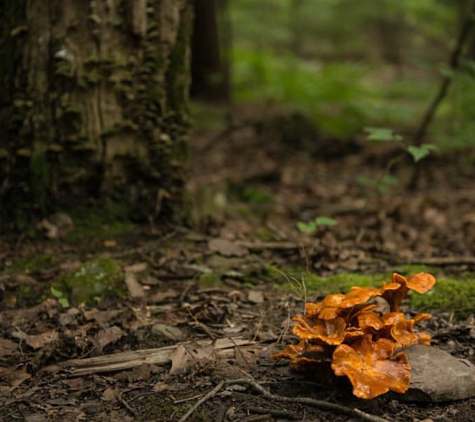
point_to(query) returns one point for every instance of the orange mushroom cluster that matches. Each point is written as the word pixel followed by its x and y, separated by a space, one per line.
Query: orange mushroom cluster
pixel 349 332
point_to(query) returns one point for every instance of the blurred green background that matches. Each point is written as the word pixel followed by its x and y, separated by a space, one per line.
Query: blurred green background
pixel 348 64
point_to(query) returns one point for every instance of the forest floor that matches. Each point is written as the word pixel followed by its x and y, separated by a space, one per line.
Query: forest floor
pixel 205 307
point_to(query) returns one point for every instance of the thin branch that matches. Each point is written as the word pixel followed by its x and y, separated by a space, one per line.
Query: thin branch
pixel 278 413
pixel 444 87
pixel 320 404
pixel 188 399
pixel 205 398
pixel 122 401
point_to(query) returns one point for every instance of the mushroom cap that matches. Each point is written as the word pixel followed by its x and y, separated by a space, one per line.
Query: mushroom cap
pixel 350 331
pixel 421 283
pixel 328 331
pixel 360 295
pixel 372 368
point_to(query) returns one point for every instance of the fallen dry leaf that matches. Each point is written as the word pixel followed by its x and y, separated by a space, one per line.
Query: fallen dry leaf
pixel 161 386
pixel 142 372
pixel 101 317
pixel 77 384
pixel 110 394
pixel 180 359
pixel 162 296
pixel 226 247
pixel 169 331
pixel 13 378
pixel 7 347
pixel 201 351
pixel 39 340
pixel 136 268
pixel 135 288
pixel 108 336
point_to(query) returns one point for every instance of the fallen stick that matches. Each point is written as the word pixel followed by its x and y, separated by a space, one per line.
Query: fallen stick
pixel 203 399
pixel 257 246
pixel 224 348
pixel 320 404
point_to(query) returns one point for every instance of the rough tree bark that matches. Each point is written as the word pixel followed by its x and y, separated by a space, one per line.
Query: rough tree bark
pixel 391 32
pixel 93 106
pixel 210 65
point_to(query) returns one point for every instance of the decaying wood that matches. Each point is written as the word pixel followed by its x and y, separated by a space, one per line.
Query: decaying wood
pixel 91 92
pixel 138 12
pixel 224 348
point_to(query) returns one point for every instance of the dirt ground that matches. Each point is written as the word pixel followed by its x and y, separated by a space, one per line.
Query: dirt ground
pixel 207 305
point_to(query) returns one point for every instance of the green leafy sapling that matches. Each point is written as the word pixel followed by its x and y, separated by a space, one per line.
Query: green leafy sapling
pixel 62 300
pixel 388 181
pixel 381 134
pixel 312 226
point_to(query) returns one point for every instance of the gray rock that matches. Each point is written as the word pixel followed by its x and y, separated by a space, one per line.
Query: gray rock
pixel 438 376
pixel 169 331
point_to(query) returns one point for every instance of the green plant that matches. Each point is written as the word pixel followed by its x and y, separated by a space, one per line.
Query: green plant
pixel 312 226
pixel 256 196
pixel 383 184
pixel 62 299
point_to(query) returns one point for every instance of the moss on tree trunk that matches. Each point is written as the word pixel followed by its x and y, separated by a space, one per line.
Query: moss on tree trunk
pixel 93 106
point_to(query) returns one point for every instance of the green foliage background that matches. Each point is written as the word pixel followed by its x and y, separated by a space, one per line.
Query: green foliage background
pixel 349 64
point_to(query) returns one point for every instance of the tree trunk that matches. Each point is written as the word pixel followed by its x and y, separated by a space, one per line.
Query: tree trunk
pixel 210 65
pixel 296 28
pixel 391 31
pixel 93 106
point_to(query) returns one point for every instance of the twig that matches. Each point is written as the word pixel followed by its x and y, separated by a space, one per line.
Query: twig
pixel 203 327
pixel 206 397
pixel 274 412
pixel 321 404
pixel 188 399
pixel 124 403
pixel 277 231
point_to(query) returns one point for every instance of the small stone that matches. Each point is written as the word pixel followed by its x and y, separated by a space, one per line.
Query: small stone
pixel 438 376
pixel 226 247
pixel 35 417
pixel 169 331
pixel 91 407
pixel 58 225
pixel 255 296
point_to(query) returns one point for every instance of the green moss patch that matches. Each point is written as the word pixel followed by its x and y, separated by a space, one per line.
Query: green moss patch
pixel 109 222
pixel 209 280
pixel 92 282
pixel 32 264
pixel 447 296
